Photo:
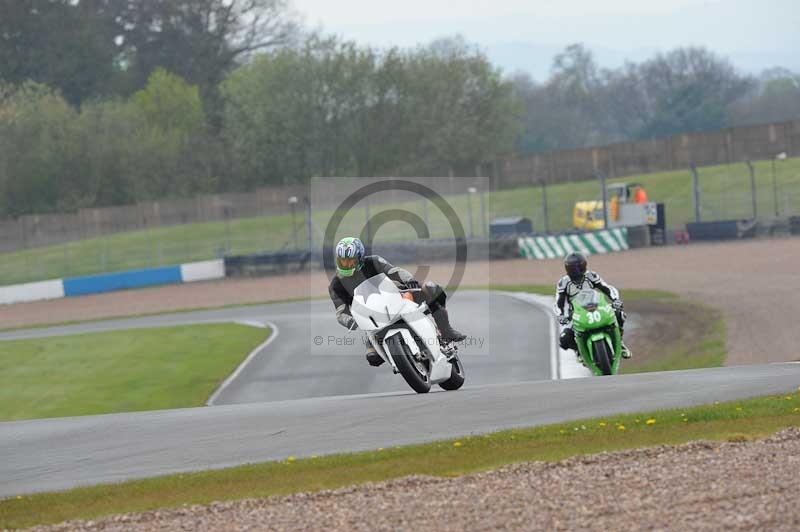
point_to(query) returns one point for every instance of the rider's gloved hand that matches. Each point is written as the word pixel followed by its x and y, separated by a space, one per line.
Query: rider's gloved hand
pixel 617 304
pixel 563 320
pixel 412 284
pixel 350 323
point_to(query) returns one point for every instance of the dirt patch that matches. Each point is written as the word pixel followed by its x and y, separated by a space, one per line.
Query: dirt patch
pixel 754 283
pixel 672 334
pixel 697 486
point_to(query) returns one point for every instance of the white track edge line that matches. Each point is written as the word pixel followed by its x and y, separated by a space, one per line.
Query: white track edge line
pixel 273 334
pixel 555 352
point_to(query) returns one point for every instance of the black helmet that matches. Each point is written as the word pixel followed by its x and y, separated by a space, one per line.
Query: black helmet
pixel 575 265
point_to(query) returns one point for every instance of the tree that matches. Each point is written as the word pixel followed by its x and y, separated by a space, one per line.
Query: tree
pixel 40 167
pixel 775 99
pixel 334 108
pixel 688 89
pixel 460 111
pixel 201 40
pixel 66 44
pixel 171 124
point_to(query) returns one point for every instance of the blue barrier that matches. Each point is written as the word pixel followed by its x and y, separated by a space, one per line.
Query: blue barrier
pixel 109 282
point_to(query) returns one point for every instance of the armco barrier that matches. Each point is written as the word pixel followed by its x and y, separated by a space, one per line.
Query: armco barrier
pixel 202 271
pixel 109 282
pixel 557 246
pixel 20 293
pixel 721 230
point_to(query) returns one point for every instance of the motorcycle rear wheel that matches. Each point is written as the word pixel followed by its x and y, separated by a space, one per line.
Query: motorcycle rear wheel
pixel 418 380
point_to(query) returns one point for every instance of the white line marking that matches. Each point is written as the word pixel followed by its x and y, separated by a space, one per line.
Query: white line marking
pixel 555 362
pixel 250 357
pixel 252 323
pixel 563 363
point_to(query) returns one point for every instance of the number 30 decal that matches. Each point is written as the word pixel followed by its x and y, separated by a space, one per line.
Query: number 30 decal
pixel 593 317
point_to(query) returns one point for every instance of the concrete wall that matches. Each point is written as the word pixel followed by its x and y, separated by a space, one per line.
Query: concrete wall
pixel 110 282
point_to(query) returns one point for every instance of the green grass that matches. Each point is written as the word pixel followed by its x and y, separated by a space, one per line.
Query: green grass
pixel 726 193
pixel 120 371
pixel 735 421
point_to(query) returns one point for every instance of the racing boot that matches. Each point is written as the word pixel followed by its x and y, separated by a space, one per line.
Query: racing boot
pixel 373 357
pixel 442 320
pixel 623 349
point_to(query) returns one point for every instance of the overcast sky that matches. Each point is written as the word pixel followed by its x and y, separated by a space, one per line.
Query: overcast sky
pixel 524 34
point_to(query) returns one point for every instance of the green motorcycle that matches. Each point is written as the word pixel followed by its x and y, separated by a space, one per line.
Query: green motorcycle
pixel 596 332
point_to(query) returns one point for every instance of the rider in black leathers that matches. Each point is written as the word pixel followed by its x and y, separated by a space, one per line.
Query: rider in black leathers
pixel 353 268
pixel 568 287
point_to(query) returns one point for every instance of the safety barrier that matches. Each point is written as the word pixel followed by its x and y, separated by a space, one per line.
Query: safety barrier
pixel 20 293
pixel 109 282
pixel 557 246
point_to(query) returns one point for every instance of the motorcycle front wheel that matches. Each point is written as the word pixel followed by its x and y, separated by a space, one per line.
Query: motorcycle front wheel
pixel 416 373
pixel 456 379
pixel 602 358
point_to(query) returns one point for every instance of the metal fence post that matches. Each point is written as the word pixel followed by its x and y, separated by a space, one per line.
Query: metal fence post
pixel 470 192
pixel 753 188
pixel 544 207
pixel 483 213
pixel 292 202
pixel 696 190
pixel 366 221
pixel 600 175
pixel 308 224
pixel 780 157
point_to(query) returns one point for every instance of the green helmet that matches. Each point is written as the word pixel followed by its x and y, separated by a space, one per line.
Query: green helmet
pixel 349 256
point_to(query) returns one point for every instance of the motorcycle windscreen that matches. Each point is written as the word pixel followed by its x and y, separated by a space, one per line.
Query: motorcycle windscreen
pixel 377 302
pixel 587 298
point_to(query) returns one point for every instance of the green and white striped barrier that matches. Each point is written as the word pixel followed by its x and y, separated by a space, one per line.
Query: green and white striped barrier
pixel 552 247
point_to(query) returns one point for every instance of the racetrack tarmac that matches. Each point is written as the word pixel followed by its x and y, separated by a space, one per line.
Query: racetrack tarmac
pixel 509 341
pixel 54 454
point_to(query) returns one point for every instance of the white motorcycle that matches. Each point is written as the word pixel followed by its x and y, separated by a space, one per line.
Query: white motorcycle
pixel 405 335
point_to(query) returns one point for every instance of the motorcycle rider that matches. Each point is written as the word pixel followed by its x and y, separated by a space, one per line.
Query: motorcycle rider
pixel 570 285
pixel 353 268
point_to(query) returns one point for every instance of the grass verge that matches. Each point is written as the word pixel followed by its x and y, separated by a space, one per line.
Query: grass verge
pixel 120 371
pixel 736 421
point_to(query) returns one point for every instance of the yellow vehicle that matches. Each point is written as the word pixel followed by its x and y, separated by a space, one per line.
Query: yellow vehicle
pixel 588 215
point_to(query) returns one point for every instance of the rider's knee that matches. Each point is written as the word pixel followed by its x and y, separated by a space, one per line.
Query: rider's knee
pixel 434 293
